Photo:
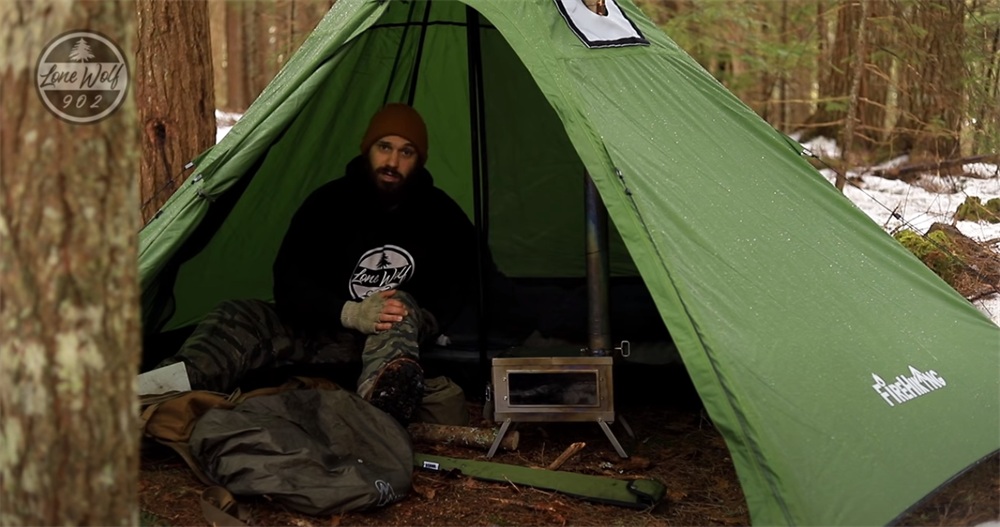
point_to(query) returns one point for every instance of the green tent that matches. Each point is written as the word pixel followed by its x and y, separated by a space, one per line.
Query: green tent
pixel 848 380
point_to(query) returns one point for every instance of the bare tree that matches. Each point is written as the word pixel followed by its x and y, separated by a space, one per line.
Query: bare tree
pixel 174 93
pixel 835 66
pixel 857 73
pixel 253 40
pixel 917 77
pixel 69 311
pixel 983 86
pixel 852 76
pixel 874 72
pixel 932 77
pixel 788 60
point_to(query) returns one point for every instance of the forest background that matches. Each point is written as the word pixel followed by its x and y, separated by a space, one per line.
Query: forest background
pixel 882 78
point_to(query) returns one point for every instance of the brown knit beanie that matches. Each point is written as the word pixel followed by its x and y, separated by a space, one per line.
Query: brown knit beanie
pixel 397 119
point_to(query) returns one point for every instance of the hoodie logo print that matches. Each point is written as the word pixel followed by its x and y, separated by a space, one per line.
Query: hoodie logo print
pixel 381 269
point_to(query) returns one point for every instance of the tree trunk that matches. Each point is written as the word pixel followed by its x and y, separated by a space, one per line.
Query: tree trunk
pixel 782 118
pixel 801 77
pixel 174 93
pixel 307 15
pixel 68 287
pixel 236 73
pixel 220 43
pixel 932 79
pixel 834 82
pixel 270 22
pixel 871 131
pixel 857 73
pixel 253 40
pixel 983 132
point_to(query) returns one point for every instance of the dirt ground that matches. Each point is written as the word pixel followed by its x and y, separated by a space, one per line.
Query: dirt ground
pixel 675 444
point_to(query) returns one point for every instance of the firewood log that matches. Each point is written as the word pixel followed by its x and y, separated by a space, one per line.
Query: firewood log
pixel 467 436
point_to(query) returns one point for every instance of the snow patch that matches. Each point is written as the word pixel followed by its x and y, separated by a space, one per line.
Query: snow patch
pixel 224 123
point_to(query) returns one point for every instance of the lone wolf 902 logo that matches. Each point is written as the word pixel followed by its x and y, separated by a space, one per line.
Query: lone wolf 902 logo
pixel 82 76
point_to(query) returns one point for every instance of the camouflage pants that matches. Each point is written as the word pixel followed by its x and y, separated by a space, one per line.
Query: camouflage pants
pixel 240 336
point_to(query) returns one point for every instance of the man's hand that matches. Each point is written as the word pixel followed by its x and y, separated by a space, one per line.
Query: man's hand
pixel 377 312
pixel 392 310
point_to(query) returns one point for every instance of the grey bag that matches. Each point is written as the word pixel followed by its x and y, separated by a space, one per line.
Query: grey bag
pixel 319 452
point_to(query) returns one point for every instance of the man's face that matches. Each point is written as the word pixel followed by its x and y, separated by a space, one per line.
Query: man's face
pixel 392 160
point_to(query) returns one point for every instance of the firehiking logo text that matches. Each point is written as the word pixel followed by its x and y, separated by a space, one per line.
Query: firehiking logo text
pixel 908 387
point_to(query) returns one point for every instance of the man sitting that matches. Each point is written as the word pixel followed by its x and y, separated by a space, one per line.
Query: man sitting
pixel 359 254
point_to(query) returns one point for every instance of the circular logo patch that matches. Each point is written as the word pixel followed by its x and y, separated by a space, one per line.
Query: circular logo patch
pixel 381 269
pixel 82 77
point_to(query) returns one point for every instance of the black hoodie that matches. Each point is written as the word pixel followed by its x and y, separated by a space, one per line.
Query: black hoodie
pixel 345 243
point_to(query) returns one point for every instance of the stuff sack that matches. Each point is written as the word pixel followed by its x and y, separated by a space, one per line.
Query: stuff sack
pixel 443 403
pixel 319 452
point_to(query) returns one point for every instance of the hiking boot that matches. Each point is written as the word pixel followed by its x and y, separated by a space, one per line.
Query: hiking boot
pixel 398 389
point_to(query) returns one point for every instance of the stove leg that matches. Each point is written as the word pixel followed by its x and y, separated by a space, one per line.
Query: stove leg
pixel 500 434
pixel 628 429
pixel 612 438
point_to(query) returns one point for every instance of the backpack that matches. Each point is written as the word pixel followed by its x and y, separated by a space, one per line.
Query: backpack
pixel 320 452
pixel 308 445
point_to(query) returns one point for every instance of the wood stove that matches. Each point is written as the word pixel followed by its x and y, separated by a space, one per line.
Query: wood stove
pixel 553 386
pixel 548 385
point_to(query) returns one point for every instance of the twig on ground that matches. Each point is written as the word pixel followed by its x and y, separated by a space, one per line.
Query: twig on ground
pixel 568 453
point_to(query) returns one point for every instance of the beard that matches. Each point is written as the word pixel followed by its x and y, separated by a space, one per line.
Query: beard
pixel 388 181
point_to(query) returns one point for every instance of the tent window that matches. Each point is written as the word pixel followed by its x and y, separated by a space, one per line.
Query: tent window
pixel 600 23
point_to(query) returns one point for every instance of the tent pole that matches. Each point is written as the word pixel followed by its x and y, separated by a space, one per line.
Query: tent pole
pixel 415 74
pixel 477 129
pixel 399 54
pixel 598 271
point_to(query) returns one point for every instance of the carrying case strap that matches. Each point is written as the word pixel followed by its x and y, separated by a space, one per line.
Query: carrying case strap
pixel 636 493
pixel 221 509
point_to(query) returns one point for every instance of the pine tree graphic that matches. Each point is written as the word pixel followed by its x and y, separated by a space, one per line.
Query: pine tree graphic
pixel 383 262
pixel 81 51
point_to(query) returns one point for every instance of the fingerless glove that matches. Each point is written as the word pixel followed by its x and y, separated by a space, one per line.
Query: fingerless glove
pixel 362 315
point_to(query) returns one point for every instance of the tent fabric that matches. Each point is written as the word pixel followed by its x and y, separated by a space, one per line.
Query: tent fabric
pixel 848 380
